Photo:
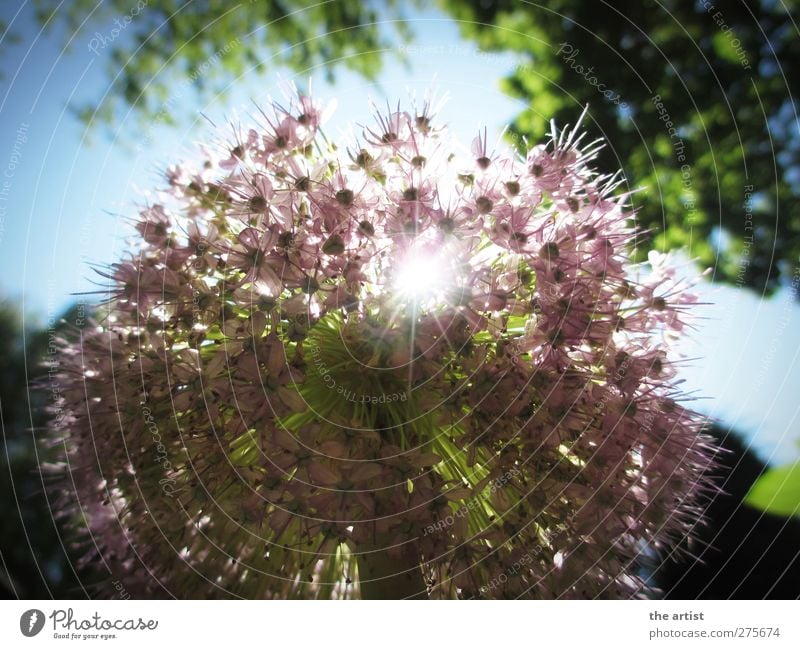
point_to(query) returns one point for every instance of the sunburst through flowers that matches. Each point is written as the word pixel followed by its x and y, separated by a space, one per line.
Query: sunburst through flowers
pixel 393 368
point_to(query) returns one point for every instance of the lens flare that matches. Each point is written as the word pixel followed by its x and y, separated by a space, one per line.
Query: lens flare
pixel 421 277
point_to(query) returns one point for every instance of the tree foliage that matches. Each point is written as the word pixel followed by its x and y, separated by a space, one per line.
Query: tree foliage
pixel 155 45
pixel 695 98
pixel 778 491
pixel 721 74
pixel 33 554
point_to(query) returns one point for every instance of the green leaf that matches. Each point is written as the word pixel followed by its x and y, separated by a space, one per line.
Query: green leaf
pixel 777 491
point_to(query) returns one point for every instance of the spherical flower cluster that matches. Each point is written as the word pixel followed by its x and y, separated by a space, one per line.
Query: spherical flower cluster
pixel 392 369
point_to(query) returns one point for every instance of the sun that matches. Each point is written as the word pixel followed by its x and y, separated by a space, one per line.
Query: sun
pixel 421 277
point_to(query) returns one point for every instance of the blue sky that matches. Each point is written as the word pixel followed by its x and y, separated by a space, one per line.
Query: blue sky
pixel 66 198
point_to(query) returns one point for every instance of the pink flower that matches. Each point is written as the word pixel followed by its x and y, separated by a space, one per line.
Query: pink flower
pixel 321 360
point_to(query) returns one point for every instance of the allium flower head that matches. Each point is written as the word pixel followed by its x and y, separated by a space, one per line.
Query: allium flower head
pixel 398 367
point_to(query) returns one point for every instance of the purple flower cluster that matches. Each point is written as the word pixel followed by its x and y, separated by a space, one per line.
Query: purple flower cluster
pixel 314 350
